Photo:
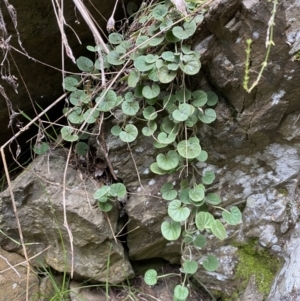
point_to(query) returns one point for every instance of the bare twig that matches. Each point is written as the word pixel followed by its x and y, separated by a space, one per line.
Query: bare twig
pixel 11 267
pixel 65 213
pixel 84 12
pixel 17 217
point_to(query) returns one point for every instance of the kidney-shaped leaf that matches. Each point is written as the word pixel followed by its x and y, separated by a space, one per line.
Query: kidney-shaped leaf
pixel 204 220
pixel 129 134
pixel 189 149
pixel 218 229
pixel 190 266
pixel 150 277
pixel 233 217
pixel 177 212
pixel 210 263
pixel 208 116
pixel 168 161
pixel 171 230
pixel 186 31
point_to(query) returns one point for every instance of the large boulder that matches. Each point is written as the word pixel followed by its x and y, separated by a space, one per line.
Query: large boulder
pixel 42 206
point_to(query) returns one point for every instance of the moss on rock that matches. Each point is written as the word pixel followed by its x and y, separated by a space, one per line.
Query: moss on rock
pixel 254 262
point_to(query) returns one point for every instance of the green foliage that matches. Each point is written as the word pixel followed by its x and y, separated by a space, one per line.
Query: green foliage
pixel 106 194
pixel 153 92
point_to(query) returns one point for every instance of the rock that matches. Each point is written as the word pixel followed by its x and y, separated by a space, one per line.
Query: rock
pixel 39 199
pixel 286 285
pixel 80 293
pixel 13 278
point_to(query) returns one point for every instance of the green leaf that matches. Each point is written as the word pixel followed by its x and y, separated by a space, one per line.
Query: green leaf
pixel 133 78
pixel 199 98
pixel 202 156
pixel 171 38
pixel 191 121
pixel 116 130
pixel 106 101
pixel 184 195
pixel 157 170
pixel 169 126
pixel 183 95
pixel 91 115
pixel 188 149
pixel 101 192
pixel 149 113
pixel 105 206
pixel 173 66
pixel 204 220
pixel 98 65
pixel 152 74
pixel 150 58
pixel 199 241
pixel 142 42
pixel 67 134
pixel 186 31
pixel 197 193
pixel 103 199
pixel 81 148
pixel 141 64
pixel 115 38
pixel 181 293
pixel 177 212
pixel 167 23
pixel 84 64
pixel 233 217
pixel 150 277
pixel 190 266
pixel 167 191
pixel 190 64
pixel 168 56
pixel 218 229
pixel 76 116
pixel 171 230
pixel 79 97
pixel 159 12
pixel 41 148
pixel 113 58
pixel 151 92
pixel 118 190
pixel 156 40
pixel 166 139
pixel 208 116
pixel 129 134
pixel 186 49
pixel 210 263
pixel 168 161
pixel 213 199
pixel 84 136
pixel 150 129
pixel 70 83
pixel 183 112
pixel 165 75
pixel 212 98
pixel 130 108
pixel 208 177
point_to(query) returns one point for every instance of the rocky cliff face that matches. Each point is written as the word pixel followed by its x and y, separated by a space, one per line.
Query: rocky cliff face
pixel 254 149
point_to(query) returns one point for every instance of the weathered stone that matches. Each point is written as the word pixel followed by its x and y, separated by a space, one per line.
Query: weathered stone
pixel 13 278
pixel 287 283
pixel 40 202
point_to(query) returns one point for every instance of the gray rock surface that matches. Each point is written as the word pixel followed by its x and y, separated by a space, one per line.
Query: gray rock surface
pixel 40 204
pixel 13 278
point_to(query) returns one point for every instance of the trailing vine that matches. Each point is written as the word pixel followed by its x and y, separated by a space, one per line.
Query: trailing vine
pixel 146 72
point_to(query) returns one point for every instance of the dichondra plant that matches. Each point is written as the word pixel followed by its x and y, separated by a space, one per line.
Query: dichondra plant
pixel 153 61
